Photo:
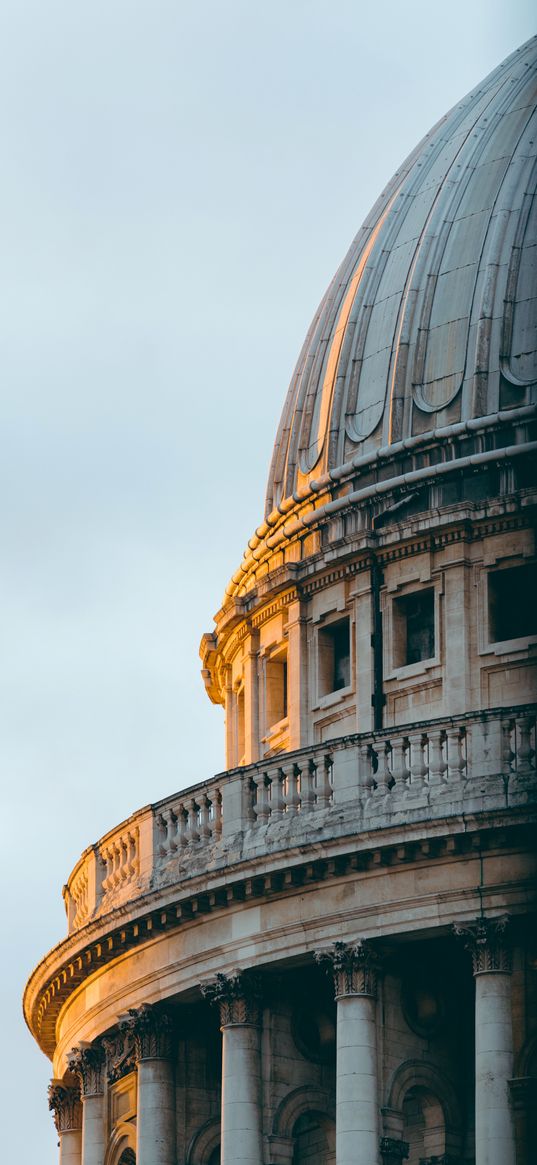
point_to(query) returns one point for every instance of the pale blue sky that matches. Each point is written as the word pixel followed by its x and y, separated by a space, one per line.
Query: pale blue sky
pixel 179 183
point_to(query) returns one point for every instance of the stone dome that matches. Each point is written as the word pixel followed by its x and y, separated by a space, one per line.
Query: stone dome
pixel 431 318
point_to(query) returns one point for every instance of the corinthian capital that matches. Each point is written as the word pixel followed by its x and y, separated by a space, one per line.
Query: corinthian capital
pixel 236 995
pixel 487 942
pixel 64 1104
pixel 354 967
pixel 87 1062
pixel 151 1030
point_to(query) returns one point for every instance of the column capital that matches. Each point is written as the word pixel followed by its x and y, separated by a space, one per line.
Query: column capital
pixel 64 1104
pixel 151 1032
pixel 354 967
pixel 237 995
pixel 86 1061
pixel 487 942
pixel 393 1150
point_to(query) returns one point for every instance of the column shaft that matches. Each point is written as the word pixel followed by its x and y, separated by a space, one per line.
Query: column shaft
pixel 93 1144
pixel 241 1095
pixel 71 1147
pixel 495 1143
pixel 155 1121
pixel 357 1113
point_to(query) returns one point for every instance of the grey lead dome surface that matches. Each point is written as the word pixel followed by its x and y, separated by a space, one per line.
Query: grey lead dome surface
pixel 431 319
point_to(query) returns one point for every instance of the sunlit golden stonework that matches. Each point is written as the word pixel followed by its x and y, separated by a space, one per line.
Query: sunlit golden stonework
pixel 325 953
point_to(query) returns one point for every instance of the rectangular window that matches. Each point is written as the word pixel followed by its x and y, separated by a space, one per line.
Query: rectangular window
pixel 276 690
pixel 334 657
pixel 512 603
pixel 414 628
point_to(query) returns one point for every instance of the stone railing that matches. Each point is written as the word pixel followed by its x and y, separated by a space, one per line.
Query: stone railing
pixel 472 763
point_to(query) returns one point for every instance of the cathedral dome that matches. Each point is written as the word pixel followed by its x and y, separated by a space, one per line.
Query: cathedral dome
pixel 431 318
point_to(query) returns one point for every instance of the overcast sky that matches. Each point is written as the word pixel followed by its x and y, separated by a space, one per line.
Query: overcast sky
pixel 178 184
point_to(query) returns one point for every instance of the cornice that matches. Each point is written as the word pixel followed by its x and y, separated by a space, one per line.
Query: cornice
pixel 169 906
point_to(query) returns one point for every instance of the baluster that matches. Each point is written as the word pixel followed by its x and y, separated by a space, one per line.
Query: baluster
pixel 261 806
pixel 455 758
pixel 181 835
pixel 324 785
pixel 437 764
pixel 291 797
pixel 418 768
pixel 307 786
pixel 508 755
pixel 116 862
pixel 132 850
pixel 216 799
pixel 382 776
pixel 400 772
pixel 524 751
pixel 166 820
pixel 204 825
pixel 365 767
pixel 192 832
pixel 277 803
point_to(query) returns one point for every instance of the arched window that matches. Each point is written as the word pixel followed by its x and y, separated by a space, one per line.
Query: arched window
pixel 128 1157
pixel 424 1125
pixel 314 1140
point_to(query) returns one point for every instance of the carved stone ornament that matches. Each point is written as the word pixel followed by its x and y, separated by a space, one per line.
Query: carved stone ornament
pixel 87 1062
pixel 353 965
pixel 64 1104
pixel 393 1151
pixel 151 1031
pixel 486 940
pixel 236 995
pixel 119 1052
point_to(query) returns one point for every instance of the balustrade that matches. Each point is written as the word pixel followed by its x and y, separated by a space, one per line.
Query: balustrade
pixel 380 774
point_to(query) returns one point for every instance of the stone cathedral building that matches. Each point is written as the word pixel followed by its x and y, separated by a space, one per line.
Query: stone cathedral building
pixel 326 953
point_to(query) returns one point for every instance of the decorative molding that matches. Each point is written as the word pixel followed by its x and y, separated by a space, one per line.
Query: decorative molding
pixel 237 996
pixel 119 1051
pixel 64 1104
pixel 87 1063
pixel 486 941
pixel 354 967
pixel 151 1032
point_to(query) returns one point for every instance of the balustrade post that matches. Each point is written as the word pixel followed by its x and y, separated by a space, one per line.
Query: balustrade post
pixel 151 1031
pixel 65 1105
pixel 400 771
pixel 237 997
pixel 455 760
pixel 354 969
pixel 418 768
pixel 324 787
pixel 437 764
pixel 277 803
pixel 86 1062
pixel 491 960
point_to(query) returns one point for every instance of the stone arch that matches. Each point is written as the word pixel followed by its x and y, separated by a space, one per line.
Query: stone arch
pixel 299 1102
pixel 122 1145
pixel 204 1143
pixel 430 1083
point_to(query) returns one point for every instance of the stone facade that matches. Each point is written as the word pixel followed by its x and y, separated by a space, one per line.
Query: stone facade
pixel 326 954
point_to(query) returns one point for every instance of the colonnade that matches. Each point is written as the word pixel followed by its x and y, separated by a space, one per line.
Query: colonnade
pixel 78 1102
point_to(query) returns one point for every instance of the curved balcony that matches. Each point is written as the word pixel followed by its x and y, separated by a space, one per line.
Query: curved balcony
pixel 299 818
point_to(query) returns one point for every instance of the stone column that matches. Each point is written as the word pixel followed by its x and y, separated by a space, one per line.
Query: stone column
pixel 491 958
pixel 251 699
pixel 297 675
pixel 87 1062
pixel 64 1103
pixel 354 968
pixel 155 1120
pixel 238 1000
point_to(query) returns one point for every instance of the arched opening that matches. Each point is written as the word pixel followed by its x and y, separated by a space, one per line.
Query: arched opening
pixel 214 1159
pixel 424 1125
pixel 128 1157
pixel 315 1140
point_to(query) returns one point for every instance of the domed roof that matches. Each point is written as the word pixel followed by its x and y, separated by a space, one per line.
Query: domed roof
pixel 431 319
